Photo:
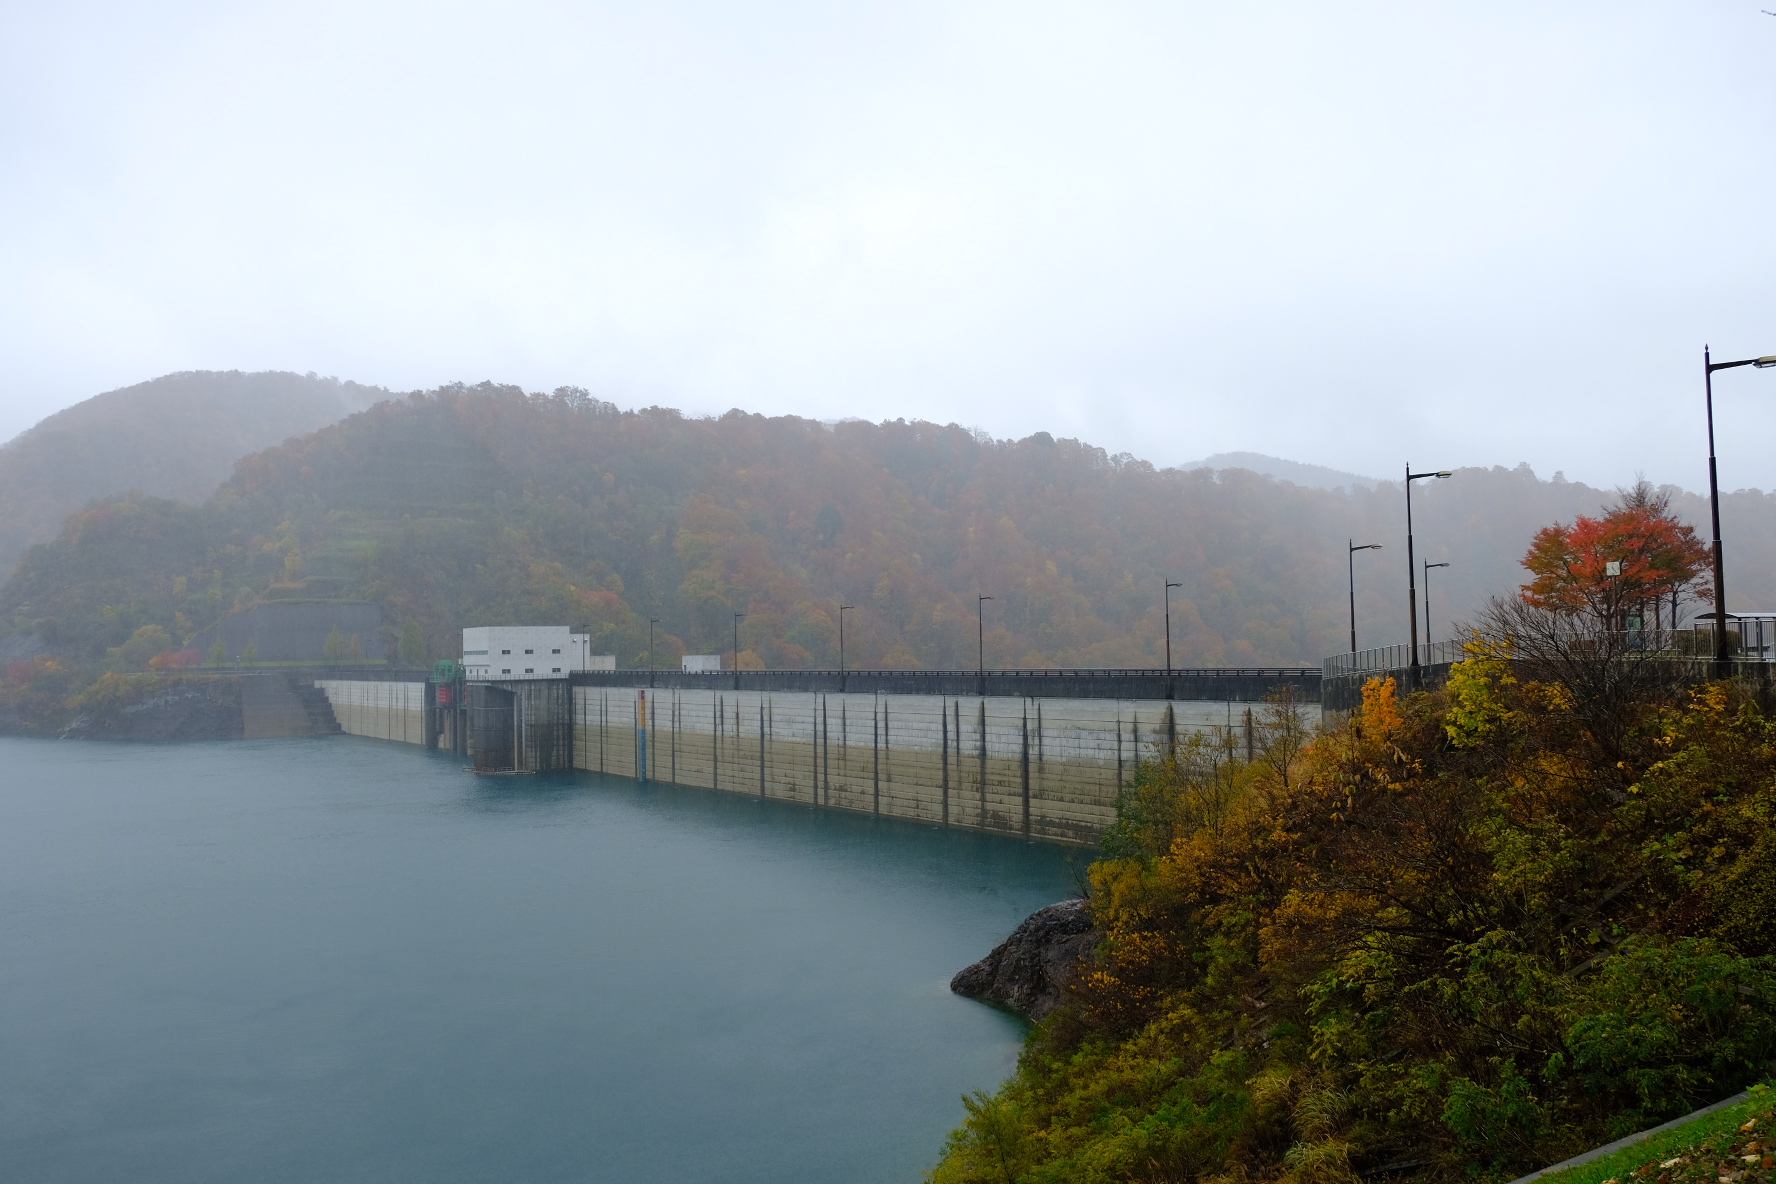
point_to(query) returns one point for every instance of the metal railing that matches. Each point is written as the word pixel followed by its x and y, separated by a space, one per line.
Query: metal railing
pixel 1237 683
pixel 1750 639
pixel 1393 657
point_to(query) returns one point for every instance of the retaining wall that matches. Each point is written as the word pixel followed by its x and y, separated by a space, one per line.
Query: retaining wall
pixel 270 707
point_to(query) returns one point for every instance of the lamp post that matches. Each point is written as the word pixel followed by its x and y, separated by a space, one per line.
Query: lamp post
pixel 1412 679
pixel 843 609
pixel 1722 655
pixel 652 621
pixel 738 617
pixel 980 641
pixel 1428 565
pixel 1168 603
pixel 1350 562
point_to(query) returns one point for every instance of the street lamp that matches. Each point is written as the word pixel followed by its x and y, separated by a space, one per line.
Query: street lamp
pixel 1428 565
pixel 1722 658
pixel 1350 561
pixel 1168 601
pixel 843 609
pixel 1412 680
pixel 738 617
pixel 980 641
pixel 652 621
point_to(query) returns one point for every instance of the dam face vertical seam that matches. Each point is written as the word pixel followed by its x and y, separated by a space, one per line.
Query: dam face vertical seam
pixel 943 715
pixel 1025 770
pixel 956 730
pixel 983 762
pixel 1119 750
pixel 887 747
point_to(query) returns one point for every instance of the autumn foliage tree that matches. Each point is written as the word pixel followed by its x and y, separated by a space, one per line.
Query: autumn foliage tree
pixel 1466 933
pixel 1635 562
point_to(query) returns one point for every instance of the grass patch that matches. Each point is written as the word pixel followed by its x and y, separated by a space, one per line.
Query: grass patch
pixel 1711 1148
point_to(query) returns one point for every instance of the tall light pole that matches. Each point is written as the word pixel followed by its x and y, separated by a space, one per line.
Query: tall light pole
pixel 738 617
pixel 1428 565
pixel 652 621
pixel 980 641
pixel 1350 561
pixel 1412 679
pixel 1723 658
pixel 843 609
pixel 1169 586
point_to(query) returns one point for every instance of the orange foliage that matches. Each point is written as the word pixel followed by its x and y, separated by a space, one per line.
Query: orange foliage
pixel 1659 558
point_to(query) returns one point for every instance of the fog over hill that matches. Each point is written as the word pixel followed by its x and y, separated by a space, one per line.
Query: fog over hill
pixel 476 505
pixel 176 436
pixel 1292 471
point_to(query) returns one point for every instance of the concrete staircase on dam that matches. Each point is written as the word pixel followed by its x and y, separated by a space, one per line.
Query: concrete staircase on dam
pixel 278 703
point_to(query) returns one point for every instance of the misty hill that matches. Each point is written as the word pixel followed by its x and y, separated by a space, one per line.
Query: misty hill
pixel 1293 471
pixel 177 437
pixel 486 505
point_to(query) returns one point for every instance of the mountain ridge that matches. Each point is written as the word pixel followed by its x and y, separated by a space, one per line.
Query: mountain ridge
pixel 176 436
pixel 475 505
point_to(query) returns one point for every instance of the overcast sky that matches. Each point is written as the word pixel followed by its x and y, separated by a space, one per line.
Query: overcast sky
pixel 1349 233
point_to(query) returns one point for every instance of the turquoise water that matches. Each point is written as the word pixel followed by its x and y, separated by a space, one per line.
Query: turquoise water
pixel 345 960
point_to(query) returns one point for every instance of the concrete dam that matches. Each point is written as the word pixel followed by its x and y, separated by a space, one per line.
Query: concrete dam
pixel 1042 754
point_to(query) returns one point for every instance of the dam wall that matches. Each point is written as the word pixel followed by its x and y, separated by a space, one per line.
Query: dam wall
pixel 383 710
pixel 1046 768
pixel 1041 767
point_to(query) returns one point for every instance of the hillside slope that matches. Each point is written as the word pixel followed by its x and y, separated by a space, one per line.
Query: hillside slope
pixel 473 505
pixel 177 436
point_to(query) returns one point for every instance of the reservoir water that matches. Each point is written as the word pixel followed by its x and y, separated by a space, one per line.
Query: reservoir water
pixel 345 960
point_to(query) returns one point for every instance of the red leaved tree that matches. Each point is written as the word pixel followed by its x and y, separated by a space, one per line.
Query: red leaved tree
pixel 1658 563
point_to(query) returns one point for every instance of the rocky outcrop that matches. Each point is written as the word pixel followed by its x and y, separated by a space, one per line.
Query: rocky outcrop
pixel 1028 971
pixel 184 709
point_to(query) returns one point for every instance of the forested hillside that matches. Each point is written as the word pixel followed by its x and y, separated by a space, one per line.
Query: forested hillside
pixel 1465 934
pixel 484 504
pixel 177 436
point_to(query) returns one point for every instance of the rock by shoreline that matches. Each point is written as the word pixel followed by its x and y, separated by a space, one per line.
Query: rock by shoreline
pixel 1028 971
